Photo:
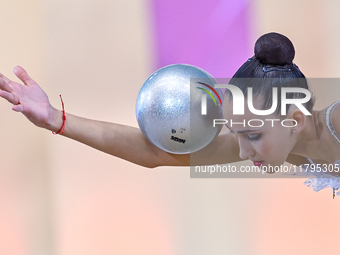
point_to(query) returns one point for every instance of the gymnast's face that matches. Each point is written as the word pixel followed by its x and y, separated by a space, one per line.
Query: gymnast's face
pixel 262 139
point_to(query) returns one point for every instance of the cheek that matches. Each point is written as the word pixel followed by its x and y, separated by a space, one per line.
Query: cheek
pixel 271 145
pixel 276 148
pixel 265 148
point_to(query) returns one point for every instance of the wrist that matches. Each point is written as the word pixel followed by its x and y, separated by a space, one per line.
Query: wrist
pixel 55 120
pixel 62 129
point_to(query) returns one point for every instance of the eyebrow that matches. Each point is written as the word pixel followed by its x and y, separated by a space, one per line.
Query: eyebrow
pixel 242 131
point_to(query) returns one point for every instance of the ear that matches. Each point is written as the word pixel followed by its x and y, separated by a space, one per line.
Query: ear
pixel 299 117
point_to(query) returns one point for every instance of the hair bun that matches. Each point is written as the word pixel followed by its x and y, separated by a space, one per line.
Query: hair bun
pixel 274 49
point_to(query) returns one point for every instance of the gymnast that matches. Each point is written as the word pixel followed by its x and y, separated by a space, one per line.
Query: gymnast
pixel 313 140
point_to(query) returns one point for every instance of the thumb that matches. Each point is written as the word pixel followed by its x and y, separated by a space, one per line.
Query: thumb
pixel 23 75
pixel 17 108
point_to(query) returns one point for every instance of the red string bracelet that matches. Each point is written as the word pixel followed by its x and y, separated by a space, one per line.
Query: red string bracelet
pixel 62 129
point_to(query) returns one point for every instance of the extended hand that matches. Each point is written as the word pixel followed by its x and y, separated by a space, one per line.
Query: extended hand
pixel 29 99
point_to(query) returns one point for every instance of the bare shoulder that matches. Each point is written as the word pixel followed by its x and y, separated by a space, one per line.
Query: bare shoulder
pixel 297 160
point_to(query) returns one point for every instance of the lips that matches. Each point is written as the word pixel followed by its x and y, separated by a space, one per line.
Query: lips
pixel 258 163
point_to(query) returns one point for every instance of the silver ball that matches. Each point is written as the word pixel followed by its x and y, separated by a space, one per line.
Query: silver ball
pixel 169 109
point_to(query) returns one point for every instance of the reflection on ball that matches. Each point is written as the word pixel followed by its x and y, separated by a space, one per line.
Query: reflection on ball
pixel 170 106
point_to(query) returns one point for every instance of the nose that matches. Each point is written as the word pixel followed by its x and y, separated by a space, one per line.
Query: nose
pixel 246 150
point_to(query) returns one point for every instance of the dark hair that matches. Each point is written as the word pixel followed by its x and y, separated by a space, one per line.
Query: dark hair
pixel 272 66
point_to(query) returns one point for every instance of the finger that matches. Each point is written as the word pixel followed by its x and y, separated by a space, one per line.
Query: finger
pixel 23 75
pixel 17 108
pixel 4 78
pixel 9 97
pixel 5 86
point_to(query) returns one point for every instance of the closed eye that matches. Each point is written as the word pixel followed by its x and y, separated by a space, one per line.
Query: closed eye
pixel 254 137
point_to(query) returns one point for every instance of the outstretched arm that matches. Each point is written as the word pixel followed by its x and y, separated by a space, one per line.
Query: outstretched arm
pixel 121 141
